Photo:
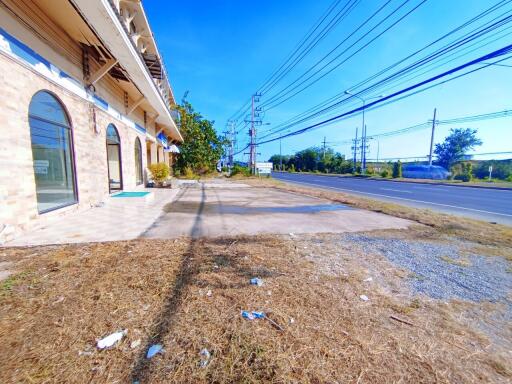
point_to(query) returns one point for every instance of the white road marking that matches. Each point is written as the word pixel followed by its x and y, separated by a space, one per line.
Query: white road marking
pixel 402 198
pixel 395 190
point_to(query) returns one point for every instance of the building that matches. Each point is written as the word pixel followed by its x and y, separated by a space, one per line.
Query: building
pixel 85 106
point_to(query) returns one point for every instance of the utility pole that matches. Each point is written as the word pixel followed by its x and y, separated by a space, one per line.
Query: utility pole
pixel 354 147
pixel 363 149
pixel 231 144
pixel 255 112
pixel 324 149
pixel 432 138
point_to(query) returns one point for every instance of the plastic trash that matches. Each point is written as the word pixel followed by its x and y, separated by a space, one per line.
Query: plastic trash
pixel 209 293
pixel 256 281
pixel 110 340
pixel 368 279
pixel 155 349
pixel 364 297
pixel 205 357
pixel 251 315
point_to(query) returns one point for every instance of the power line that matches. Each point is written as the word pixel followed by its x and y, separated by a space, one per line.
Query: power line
pixel 497 53
pixel 475 33
pixel 270 104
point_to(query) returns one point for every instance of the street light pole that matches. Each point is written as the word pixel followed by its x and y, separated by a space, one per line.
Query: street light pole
pixel 280 156
pixel 363 136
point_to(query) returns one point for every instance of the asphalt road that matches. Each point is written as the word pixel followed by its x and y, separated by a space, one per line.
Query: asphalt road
pixel 480 203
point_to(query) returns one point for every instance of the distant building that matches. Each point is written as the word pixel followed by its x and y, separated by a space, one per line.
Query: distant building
pixel 85 106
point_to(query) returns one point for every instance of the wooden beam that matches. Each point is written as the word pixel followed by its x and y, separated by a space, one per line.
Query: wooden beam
pixel 102 71
pixel 135 105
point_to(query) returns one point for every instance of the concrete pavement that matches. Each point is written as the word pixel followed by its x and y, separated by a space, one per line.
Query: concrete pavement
pixel 226 209
pixel 478 203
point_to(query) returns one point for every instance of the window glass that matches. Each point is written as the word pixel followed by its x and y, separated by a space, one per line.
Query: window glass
pixel 114 159
pixel 52 153
pixel 138 162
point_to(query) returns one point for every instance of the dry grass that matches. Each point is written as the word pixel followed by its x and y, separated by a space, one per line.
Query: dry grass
pixel 484 233
pixel 66 297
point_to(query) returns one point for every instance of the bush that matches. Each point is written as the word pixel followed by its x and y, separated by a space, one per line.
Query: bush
pixel 188 173
pixel 509 178
pixel 239 170
pixel 292 168
pixel 385 173
pixel 159 172
pixel 462 177
pixel 462 172
pixel 370 170
pixel 397 169
pixel 500 169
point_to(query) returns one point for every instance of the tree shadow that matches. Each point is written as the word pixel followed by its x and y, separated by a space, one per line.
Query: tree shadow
pixel 163 322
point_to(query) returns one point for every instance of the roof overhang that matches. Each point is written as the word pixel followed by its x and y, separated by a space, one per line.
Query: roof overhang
pixel 102 18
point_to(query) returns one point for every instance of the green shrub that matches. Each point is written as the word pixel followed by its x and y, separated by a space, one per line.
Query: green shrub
pixel 501 169
pixel 462 171
pixel 385 173
pixel 239 170
pixel 397 169
pixel 188 173
pixel 509 178
pixel 292 168
pixel 159 172
pixel 370 170
pixel 462 177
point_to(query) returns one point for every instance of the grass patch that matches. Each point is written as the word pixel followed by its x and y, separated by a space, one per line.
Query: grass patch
pixel 459 261
pixel 157 290
pixel 7 285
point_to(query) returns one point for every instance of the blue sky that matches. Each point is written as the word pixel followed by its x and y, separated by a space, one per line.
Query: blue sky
pixel 222 51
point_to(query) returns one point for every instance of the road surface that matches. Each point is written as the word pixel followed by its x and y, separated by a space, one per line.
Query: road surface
pixel 492 205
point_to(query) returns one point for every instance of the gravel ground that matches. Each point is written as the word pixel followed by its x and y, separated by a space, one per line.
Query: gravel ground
pixel 436 273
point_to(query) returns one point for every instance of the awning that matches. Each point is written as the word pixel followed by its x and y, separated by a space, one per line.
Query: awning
pixel 172 149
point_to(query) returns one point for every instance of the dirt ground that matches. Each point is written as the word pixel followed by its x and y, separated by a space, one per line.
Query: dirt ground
pixel 188 294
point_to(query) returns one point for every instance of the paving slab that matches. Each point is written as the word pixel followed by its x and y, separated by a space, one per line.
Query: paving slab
pixel 120 218
pixel 219 209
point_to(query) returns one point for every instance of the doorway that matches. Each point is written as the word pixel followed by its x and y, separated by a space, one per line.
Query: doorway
pixel 115 174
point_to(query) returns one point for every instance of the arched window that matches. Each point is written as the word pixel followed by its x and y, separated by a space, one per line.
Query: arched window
pixel 138 162
pixel 115 174
pixel 52 152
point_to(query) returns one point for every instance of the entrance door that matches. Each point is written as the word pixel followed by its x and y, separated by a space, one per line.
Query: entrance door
pixel 115 176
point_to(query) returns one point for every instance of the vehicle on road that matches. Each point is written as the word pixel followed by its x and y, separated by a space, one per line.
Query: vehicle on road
pixel 419 171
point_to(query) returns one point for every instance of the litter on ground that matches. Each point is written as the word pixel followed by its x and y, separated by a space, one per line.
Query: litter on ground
pixel 110 340
pixel 364 297
pixel 256 281
pixel 205 357
pixel 251 315
pixel 155 349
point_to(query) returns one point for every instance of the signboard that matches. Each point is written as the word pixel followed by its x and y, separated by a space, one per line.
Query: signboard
pixel 41 167
pixel 264 168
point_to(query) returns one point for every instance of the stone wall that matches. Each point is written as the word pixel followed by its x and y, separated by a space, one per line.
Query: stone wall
pixel 18 204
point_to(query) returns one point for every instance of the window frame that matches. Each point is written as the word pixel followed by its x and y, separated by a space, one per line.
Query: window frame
pixel 138 145
pixel 120 153
pixel 71 148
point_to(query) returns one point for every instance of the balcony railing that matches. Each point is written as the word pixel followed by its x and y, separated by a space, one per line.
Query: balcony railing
pixel 153 62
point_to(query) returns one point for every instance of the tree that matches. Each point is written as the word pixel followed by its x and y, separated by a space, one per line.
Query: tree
pixel 397 169
pixel 202 147
pixel 458 142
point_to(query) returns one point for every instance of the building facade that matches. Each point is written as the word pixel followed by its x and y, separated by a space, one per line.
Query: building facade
pixel 85 106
